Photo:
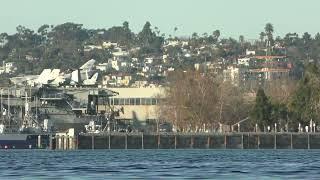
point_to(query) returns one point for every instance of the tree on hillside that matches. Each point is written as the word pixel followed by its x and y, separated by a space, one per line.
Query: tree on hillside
pixel 269 31
pixel 241 39
pixel 262 36
pixel 175 31
pixel 261 113
pixel 190 102
pixel 150 42
pixel 216 34
pixel 305 103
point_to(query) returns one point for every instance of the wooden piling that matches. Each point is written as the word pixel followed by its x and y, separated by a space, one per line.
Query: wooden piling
pixel 275 141
pixel 39 141
pixel 242 141
pixel 291 144
pixel 77 142
pixel 126 141
pixel 50 142
pixel 159 141
pixel 92 142
pixel 65 142
pixel 248 141
pixel 142 143
pixel 208 142
pixel 60 142
pixel 225 141
pixel 175 141
pixel 71 143
pixel 57 142
pixel 191 141
pixel 109 143
pixel 308 141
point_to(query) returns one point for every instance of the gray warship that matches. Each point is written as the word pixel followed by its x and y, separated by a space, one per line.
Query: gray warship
pixel 61 108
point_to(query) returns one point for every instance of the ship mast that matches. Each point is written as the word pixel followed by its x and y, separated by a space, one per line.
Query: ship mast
pixel 1 105
pixel 9 114
pixel 36 99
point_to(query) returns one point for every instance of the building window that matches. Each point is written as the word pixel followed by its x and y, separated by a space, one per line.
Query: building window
pixel 154 101
pixel 148 101
pixel 132 101
pixel 138 102
pixel 143 101
pixel 116 101
pixel 127 101
pixel 121 101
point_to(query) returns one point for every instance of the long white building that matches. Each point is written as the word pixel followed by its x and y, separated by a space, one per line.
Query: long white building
pixel 138 103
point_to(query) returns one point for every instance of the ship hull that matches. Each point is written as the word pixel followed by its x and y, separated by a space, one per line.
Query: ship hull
pixel 18 141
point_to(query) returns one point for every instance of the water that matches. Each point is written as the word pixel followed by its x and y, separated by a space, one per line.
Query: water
pixel 160 164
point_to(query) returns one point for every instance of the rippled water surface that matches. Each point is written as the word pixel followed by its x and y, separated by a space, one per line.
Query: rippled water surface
pixel 159 164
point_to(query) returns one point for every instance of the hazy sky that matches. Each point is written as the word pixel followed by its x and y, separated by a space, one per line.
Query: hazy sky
pixel 232 17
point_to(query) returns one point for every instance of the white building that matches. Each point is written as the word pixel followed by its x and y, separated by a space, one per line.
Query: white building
pixel 164 58
pixel 102 66
pixel 138 103
pixel 248 52
pixel 197 66
pixel 2 70
pixel 105 80
pixel 119 52
pixel 145 69
pixel 172 43
pixel 9 67
pixel 244 61
pixel 124 64
pixel 148 60
pixel 170 69
pixel 109 44
pixel 113 64
pixel 88 48
pixel 232 74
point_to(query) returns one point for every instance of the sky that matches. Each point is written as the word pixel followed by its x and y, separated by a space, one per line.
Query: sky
pixel 231 17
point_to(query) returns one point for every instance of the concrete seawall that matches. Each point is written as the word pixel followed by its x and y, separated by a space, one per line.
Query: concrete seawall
pixel 199 141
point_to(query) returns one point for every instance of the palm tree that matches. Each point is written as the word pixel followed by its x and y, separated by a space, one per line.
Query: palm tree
pixel 268 29
pixel 157 30
pixel 241 39
pixel 216 34
pixel 194 35
pixel 262 35
pixel 175 31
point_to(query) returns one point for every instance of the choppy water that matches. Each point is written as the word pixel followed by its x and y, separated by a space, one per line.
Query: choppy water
pixel 160 164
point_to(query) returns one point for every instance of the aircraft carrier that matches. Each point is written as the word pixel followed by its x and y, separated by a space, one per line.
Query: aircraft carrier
pixel 54 101
pixel 63 108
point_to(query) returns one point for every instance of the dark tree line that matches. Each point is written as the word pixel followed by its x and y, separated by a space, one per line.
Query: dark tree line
pixel 62 46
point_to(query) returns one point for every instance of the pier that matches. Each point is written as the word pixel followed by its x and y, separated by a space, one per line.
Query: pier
pixel 239 140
